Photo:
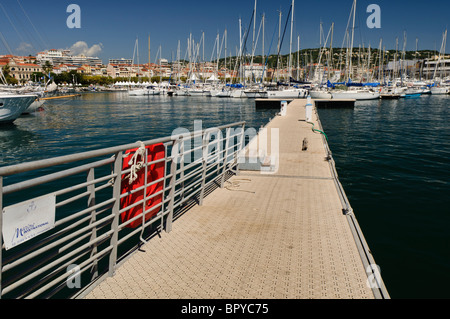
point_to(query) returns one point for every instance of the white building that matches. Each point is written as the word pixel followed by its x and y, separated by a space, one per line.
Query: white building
pixel 255 71
pixel 57 57
pixel 121 61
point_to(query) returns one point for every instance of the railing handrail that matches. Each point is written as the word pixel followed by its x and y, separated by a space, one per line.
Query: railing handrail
pixel 45 163
pixel 93 230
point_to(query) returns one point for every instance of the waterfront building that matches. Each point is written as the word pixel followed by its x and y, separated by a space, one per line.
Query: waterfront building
pixel 57 57
pixel 20 68
pixel 121 61
pixel 440 67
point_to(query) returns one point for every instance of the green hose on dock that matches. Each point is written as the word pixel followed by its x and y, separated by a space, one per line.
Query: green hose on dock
pixel 316 130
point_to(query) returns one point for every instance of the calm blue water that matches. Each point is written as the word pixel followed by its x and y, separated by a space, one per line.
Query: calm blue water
pixel 99 120
pixel 392 158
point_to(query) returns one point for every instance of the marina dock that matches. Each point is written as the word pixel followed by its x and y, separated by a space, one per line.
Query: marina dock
pixel 287 232
pixel 319 103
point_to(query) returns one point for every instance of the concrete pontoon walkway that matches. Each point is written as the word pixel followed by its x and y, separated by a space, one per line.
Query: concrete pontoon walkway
pixel 271 236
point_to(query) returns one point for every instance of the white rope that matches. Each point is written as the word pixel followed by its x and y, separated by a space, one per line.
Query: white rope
pixel 236 184
pixel 135 165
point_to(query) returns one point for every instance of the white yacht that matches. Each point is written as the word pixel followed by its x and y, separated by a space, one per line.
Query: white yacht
pixel 238 93
pixel 390 93
pixel 287 93
pixel 255 92
pixel 13 105
pixel 149 90
pixel 320 94
pixel 355 94
pixel 440 90
pixel 35 106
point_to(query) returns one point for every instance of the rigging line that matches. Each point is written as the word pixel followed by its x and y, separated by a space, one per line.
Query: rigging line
pixel 12 24
pixel 24 30
pixel 5 43
pixel 37 32
pixel 268 53
pixel 282 38
pixel 348 24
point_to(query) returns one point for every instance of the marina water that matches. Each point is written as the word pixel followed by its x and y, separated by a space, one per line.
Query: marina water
pixel 391 156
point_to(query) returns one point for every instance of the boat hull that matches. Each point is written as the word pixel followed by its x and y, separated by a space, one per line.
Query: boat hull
pixel 12 106
pixel 143 92
pixel 255 94
pixel 359 96
pixel 320 95
pixel 237 94
pixel 388 96
pixel 440 91
pixel 35 106
pixel 287 94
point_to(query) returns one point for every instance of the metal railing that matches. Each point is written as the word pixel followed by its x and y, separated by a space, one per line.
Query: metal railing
pixel 89 239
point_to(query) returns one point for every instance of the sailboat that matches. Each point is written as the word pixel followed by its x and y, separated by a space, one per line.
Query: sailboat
pixel 440 88
pixel 357 93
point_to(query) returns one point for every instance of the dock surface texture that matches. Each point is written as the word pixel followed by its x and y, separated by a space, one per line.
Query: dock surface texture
pixel 263 236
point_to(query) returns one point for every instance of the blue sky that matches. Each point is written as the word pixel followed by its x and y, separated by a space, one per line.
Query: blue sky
pixel 109 28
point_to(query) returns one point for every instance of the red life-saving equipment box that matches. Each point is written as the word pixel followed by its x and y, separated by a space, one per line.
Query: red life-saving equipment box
pixel 154 172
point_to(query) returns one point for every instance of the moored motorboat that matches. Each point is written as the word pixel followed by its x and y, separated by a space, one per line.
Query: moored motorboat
pixel 149 90
pixel 390 93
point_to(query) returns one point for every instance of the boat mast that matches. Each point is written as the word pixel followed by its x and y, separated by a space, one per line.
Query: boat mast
pixel 254 27
pixel 353 35
pixel 380 67
pixel 279 39
pixel 149 58
pixel 330 59
pixel 290 44
pixel 298 56
pixel 240 49
pixel 225 35
pixel 189 54
pixel 263 54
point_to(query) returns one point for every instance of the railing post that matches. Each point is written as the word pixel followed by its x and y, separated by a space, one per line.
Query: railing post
pixel 91 203
pixel 240 148
pixel 205 140
pixel 163 206
pixel 173 172
pixel 144 203
pixel 115 211
pixel 224 168
pixel 1 234
pixel 182 142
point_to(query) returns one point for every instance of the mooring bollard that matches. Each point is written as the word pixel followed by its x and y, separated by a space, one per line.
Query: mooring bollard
pixel 283 108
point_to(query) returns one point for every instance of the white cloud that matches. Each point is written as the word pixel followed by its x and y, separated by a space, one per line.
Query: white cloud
pixel 24 48
pixel 82 47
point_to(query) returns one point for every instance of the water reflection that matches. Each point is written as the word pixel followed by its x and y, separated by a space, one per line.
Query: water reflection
pixel 98 120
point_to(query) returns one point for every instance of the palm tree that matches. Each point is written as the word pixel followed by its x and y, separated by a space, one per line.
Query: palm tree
pixel 47 67
pixel 6 72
